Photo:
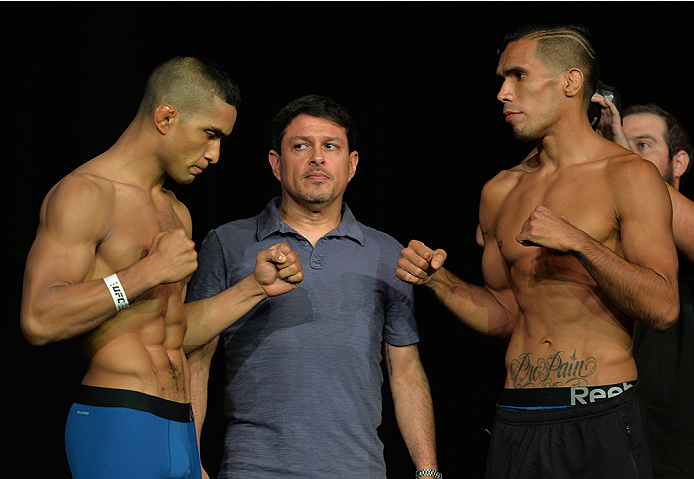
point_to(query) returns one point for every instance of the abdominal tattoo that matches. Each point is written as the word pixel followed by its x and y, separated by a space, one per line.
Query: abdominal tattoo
pixel 554 371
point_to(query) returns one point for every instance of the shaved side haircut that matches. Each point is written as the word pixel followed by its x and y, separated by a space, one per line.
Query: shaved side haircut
pixel 560 48
pixel 190 85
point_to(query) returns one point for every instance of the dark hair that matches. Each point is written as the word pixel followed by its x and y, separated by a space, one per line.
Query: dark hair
pixel 189 84
pixel 564 46
pixel 675 136
pixel 313 105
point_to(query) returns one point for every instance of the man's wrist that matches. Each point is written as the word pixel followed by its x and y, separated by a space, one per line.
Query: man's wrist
pixel 428 473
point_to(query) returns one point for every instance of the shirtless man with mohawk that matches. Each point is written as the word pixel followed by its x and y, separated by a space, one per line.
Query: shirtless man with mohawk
pixel 578 245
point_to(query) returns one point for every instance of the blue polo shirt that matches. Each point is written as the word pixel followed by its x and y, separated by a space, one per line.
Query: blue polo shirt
pixel 303 382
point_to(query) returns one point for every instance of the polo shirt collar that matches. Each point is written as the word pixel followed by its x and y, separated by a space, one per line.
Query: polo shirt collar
pixel 269 222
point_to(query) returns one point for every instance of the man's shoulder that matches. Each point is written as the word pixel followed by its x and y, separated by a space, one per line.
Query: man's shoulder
pixel 504 181
pixel 236 235
pixel 81 187
pixel 624 165
pixel 237 226
pixel 380 238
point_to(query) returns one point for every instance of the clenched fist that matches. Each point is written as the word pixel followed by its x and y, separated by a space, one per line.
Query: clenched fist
pixel 174 256
pixel 278 269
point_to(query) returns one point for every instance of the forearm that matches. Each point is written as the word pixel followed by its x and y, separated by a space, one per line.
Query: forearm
pixel 474 306
pixel 63 311
pixel 639 292
pixel 207 318
pixel 414 413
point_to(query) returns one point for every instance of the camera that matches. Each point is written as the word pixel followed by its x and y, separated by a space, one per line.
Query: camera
pixel 611 94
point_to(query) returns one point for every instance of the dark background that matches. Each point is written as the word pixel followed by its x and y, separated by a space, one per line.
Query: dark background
pixel 420 79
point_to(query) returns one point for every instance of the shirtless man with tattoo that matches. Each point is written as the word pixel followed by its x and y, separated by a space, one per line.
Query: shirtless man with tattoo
pixel 578 245
pixel 109 267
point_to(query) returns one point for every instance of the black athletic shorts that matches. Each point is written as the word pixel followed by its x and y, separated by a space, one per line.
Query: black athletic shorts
pixel 605 439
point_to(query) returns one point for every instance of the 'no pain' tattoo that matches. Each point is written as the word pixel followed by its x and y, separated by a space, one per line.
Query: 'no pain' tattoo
pixel 556 370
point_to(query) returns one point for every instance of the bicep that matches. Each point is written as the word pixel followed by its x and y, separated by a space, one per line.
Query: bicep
pixel 494 269
pixel 682 222
pixel 71 227
pixel 496 277
pixel 645 219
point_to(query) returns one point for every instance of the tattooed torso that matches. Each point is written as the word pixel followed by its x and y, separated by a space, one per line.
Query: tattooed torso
pixel 566 330
pixel 556 370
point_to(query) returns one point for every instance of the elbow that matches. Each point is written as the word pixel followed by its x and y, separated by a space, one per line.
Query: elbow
pixel 34 337
pixel 668 316
pixel 671 316
pixel 34 332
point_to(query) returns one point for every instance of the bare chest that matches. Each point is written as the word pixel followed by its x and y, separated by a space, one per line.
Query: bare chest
pixel 582 199
pixel 136 218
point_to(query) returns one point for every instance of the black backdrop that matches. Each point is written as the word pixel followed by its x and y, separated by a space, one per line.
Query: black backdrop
pixel 419 77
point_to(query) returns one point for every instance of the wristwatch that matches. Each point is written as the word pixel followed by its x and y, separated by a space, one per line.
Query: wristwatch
pixel 428 473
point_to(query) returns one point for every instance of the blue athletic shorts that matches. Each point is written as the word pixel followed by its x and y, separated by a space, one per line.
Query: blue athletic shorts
pixel 119 434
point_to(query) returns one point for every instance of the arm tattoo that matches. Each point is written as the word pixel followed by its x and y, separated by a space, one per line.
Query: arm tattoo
pixel 390 360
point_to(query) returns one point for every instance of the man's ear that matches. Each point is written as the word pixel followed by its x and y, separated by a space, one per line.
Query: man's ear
pixel 274 159
pixel 353 161
pixel 680 163
pixel 163 116
pixel 573 81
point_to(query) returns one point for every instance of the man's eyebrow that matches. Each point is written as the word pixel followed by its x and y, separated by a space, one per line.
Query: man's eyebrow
pixel 510 71
pixel 323 138
pixel 645 137
pixel 218 132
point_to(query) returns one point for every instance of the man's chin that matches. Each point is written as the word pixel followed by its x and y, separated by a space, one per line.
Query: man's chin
pixel 316 199
pixel 524 136
pixel 183 181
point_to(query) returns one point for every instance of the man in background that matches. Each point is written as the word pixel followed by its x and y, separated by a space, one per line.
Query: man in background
pixel 665 360
pixel 304 377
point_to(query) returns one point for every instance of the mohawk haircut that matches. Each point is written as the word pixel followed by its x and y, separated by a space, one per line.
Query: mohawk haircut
pixel 562 47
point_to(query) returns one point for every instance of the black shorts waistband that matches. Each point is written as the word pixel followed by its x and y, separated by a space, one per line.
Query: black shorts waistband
pixel 574 396
pixel 108 397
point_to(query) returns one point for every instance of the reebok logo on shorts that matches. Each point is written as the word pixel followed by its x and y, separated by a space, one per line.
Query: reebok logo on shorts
pixel 585 395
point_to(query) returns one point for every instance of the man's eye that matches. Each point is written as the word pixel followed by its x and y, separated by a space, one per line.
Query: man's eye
pixel 331 146
pixel 642 146
pixel 300 146
pixel 520 75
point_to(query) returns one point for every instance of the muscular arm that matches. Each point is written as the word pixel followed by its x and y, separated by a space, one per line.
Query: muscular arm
pixel 61 300
pixel 682 222
pixel 414 410
pixel 642 283
pixel 682 207
pixel 277 271
pixel 490 309
pixel 476 306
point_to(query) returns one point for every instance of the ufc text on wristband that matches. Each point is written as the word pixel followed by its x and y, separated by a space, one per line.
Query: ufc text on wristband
pixel 117 292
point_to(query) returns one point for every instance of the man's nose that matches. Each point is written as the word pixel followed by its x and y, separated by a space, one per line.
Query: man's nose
pixel 212 154
pixel 504 94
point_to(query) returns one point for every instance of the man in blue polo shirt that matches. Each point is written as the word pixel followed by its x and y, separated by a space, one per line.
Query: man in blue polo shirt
pixel 304 377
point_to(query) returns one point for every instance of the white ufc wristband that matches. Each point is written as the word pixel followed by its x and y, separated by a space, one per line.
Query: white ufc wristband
pixel 117 292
